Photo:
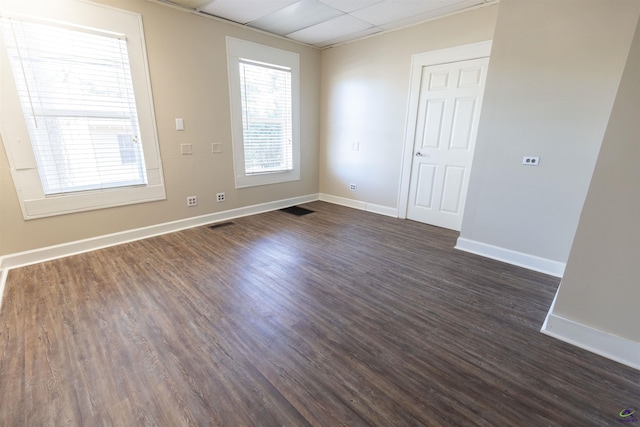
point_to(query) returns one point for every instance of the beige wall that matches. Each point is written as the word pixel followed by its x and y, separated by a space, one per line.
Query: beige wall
pixel 187 60
pixel 601 286
pixel 365 90
pixel 554 72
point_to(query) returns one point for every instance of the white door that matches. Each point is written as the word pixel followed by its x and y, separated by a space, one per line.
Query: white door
pixel 446 121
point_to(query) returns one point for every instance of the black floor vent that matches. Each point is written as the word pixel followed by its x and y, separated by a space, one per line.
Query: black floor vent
pixel 297 210
pixel 220 225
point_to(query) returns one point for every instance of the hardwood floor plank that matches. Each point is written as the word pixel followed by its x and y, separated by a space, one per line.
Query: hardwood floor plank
pixel 336 318
pixel 12 359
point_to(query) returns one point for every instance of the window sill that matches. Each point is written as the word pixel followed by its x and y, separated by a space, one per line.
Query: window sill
pixel 245 181
pixel 80 202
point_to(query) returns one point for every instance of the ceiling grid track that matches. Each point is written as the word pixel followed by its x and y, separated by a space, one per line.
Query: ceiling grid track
pixel 326 23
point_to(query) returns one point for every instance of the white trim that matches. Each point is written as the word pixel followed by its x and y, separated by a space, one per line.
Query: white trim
pixel 238 50
pixel 532 262
pixel 382 210
pixel 3 280
pixel 16 139
pixel 21 259
pixel 343 201
pixel 441 56
pixel 614 347
pixel 357 204
pixel 553 304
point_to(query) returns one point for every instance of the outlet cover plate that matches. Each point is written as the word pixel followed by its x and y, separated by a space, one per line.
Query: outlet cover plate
pixel 531 161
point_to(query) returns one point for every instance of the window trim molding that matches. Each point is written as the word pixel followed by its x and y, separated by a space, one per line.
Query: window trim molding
pixel 13 130
pixel 241 49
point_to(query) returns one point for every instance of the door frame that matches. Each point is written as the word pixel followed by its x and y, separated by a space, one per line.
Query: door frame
pixel 418 61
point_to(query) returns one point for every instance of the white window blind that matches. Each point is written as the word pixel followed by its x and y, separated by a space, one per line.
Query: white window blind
pixel 267 122
pixel 76 93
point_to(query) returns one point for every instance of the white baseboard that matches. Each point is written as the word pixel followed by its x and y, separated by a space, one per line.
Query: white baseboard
pixel 613 347
pixel 382 210
pixel 21 259
pixel 532 262
pixel 3 280
pixel 343 201
pixel 363 206
pixel 48 253
pixel 607 345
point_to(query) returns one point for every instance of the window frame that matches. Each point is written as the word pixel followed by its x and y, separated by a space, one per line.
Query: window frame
pixel 13 129
pixel 238 50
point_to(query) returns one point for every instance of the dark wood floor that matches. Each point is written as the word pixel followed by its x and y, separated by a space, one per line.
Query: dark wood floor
pixel 337 318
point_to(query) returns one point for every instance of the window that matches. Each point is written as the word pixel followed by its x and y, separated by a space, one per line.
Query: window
pixel 76 94
pixel 264 87
pixel 265 93
pixel 76 89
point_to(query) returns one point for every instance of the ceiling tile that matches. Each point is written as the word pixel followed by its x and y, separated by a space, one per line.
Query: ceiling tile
pixel 349 37
pixel 297 16
pixel 331 29
pixel 323 23
pixel 190 4
pixel 393 10
pixel 432 14
pixel 244 11
pixel 350 5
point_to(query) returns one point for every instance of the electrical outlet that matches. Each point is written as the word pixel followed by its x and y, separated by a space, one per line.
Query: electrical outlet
pixel 192 201
pixel 220 197
pixel 353 187
pixel 530 161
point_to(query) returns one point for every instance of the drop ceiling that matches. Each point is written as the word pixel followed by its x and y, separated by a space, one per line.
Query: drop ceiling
pixel 324 23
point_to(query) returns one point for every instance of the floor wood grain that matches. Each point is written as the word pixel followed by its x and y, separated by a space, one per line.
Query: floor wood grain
pixel 336 318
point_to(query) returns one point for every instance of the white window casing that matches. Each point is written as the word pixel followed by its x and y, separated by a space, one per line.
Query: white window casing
pixel 129 169
pixel 264 87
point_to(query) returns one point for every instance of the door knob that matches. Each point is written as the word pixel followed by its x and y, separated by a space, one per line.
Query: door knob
pixel 419 154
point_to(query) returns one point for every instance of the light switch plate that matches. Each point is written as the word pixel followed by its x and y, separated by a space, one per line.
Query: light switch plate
pixel 179 124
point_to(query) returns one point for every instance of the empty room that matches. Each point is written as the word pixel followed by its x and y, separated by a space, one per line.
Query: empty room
pixel 319 212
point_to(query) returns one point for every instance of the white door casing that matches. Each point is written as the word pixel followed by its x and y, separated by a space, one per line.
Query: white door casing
pixel 442 122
